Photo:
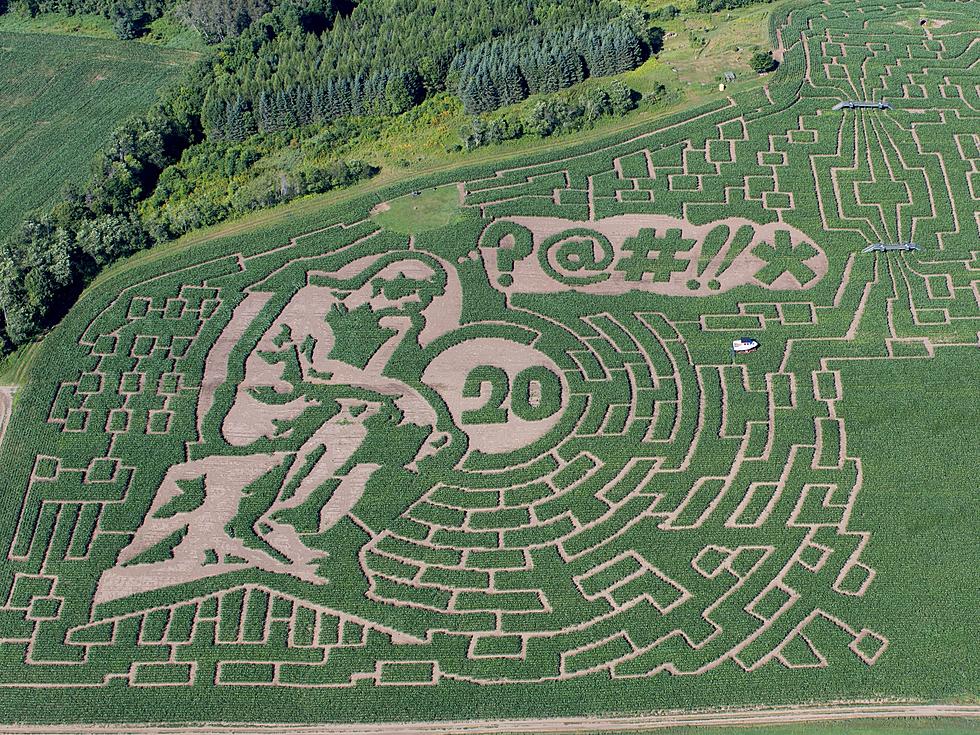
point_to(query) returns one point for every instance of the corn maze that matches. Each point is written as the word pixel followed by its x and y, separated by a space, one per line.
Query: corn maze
pixel 360 465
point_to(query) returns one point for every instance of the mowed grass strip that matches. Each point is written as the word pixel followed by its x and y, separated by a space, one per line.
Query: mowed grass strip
pixel 60 99
pixel 421 210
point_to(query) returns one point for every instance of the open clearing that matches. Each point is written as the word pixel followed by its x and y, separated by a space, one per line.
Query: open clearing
pixel 699 49
pixel 418 211
pixel 60 99
pixel 487 452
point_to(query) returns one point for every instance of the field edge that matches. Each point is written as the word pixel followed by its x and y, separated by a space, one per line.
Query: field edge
pixel 745 717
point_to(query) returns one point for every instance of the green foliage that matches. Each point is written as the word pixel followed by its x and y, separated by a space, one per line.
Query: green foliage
pixel 160 551
pixel 712 6
pixel 667 12
pixel 552 115
pixel 129 20
pixel 502 72
pixel 156 180
pixel 47 81
pixel 762 62
pixel 384 57
pixel 51 257
pixel 190 498
pixel 216 180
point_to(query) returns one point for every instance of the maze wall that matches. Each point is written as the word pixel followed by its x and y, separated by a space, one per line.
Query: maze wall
pixel 519 449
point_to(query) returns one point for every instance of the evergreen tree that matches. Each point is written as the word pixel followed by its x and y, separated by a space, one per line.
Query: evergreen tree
pixel 235 127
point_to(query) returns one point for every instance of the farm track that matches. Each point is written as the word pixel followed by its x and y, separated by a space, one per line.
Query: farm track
pixel 6 406
pixel 740 718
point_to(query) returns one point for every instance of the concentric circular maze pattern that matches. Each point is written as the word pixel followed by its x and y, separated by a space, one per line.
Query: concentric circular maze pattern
pixel 518 449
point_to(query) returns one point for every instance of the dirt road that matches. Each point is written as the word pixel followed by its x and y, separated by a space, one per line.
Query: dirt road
pixel 756 717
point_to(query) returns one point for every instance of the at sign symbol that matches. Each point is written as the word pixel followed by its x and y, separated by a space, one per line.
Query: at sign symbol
pixel 577 257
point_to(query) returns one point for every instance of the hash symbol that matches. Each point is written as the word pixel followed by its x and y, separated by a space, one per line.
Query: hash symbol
pixel 657 256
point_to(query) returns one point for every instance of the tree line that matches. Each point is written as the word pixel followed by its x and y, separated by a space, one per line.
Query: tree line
pixel 504 71
pixel 558 113
pixel 713 6
pixel 44 266
pixel 278 65
pixel 491 75
pixel 388 55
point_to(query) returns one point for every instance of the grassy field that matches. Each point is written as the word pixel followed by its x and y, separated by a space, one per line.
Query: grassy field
pixel 60 98
pixel 420 210
pixel 487 451
pixel 89 26
pixel 164 32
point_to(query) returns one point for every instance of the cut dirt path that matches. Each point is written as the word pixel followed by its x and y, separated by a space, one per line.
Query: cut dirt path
pixel 6 407
pixel 749 717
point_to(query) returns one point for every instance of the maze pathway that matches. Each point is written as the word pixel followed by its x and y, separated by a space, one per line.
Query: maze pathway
pixel 522 451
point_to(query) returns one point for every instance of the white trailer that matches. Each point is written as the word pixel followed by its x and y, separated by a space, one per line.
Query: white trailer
pixel 744 344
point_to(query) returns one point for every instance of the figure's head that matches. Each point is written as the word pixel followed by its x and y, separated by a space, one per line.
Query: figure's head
pixel 333 337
